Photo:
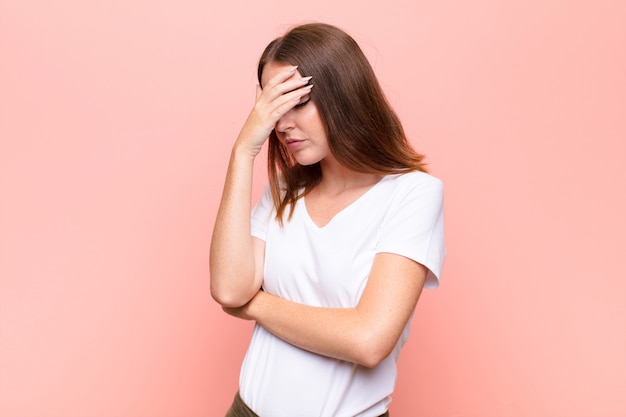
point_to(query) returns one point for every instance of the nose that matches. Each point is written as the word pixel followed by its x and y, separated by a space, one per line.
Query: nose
pixel 285 123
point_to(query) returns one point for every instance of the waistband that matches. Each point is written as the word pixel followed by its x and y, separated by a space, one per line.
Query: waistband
pixel 240 409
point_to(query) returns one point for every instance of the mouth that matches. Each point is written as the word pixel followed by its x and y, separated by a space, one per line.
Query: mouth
pixel 293 143
pixel 289 141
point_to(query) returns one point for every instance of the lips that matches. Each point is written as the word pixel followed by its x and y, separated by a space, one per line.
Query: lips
pixel 293 143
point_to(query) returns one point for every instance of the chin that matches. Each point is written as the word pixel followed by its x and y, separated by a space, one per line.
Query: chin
pixel 307 161
pixel 307 158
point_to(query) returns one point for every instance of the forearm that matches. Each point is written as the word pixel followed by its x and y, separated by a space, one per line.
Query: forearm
pixel 343 333
pixel 232 263
pixel 364 334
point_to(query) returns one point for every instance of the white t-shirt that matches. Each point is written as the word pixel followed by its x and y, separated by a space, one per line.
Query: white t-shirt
pixel 328 267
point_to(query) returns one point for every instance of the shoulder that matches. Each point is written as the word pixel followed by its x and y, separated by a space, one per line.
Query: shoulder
pixel 413 192
pixel 416 181
pixel 416 177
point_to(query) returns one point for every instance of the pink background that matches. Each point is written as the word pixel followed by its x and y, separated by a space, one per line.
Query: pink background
pixel 116 120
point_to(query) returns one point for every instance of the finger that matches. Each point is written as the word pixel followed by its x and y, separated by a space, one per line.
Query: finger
pixel 289 100
pixel 279 104
pixel 275 92
pixel 284 82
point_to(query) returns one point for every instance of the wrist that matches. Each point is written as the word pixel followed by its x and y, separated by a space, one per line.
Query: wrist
pixel 244 151
pixel 256 305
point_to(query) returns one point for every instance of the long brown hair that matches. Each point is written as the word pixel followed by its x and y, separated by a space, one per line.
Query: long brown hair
pixel 363 132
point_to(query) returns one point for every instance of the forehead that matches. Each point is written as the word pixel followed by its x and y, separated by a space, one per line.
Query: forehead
pixel 273 68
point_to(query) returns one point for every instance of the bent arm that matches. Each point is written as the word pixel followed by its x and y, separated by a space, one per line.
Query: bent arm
pixel 365 334
pixel 236 258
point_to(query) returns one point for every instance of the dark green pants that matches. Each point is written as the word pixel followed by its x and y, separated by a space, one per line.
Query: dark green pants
pixel 240 409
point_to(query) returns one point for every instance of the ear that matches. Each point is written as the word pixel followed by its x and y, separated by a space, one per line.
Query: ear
pixel 259 90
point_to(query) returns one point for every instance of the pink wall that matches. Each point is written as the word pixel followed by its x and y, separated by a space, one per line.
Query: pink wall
pixel 116 120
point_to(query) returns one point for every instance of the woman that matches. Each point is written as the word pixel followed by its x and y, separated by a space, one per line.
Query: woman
pixel 334 257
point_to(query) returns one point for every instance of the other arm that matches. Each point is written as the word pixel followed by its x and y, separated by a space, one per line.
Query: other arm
pixel 365 334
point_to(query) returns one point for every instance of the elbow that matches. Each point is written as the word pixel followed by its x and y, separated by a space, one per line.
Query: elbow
pixel 372 359
pixel 232 286
pixel 230 298
pixel 371 351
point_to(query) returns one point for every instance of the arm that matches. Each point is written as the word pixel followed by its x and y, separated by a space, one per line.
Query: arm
pixel 236 257
pixel 365 334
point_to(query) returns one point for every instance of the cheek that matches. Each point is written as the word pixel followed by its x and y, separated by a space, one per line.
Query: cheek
pixel 314 120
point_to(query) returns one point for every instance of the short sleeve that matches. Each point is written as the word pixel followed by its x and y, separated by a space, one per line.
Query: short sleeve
pixel 413 225
pixel 261 214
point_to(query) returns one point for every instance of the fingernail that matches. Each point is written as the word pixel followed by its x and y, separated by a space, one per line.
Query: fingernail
pixel 293 69
pixel 306 79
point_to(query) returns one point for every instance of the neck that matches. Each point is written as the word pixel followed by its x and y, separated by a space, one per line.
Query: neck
pixel 336 178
